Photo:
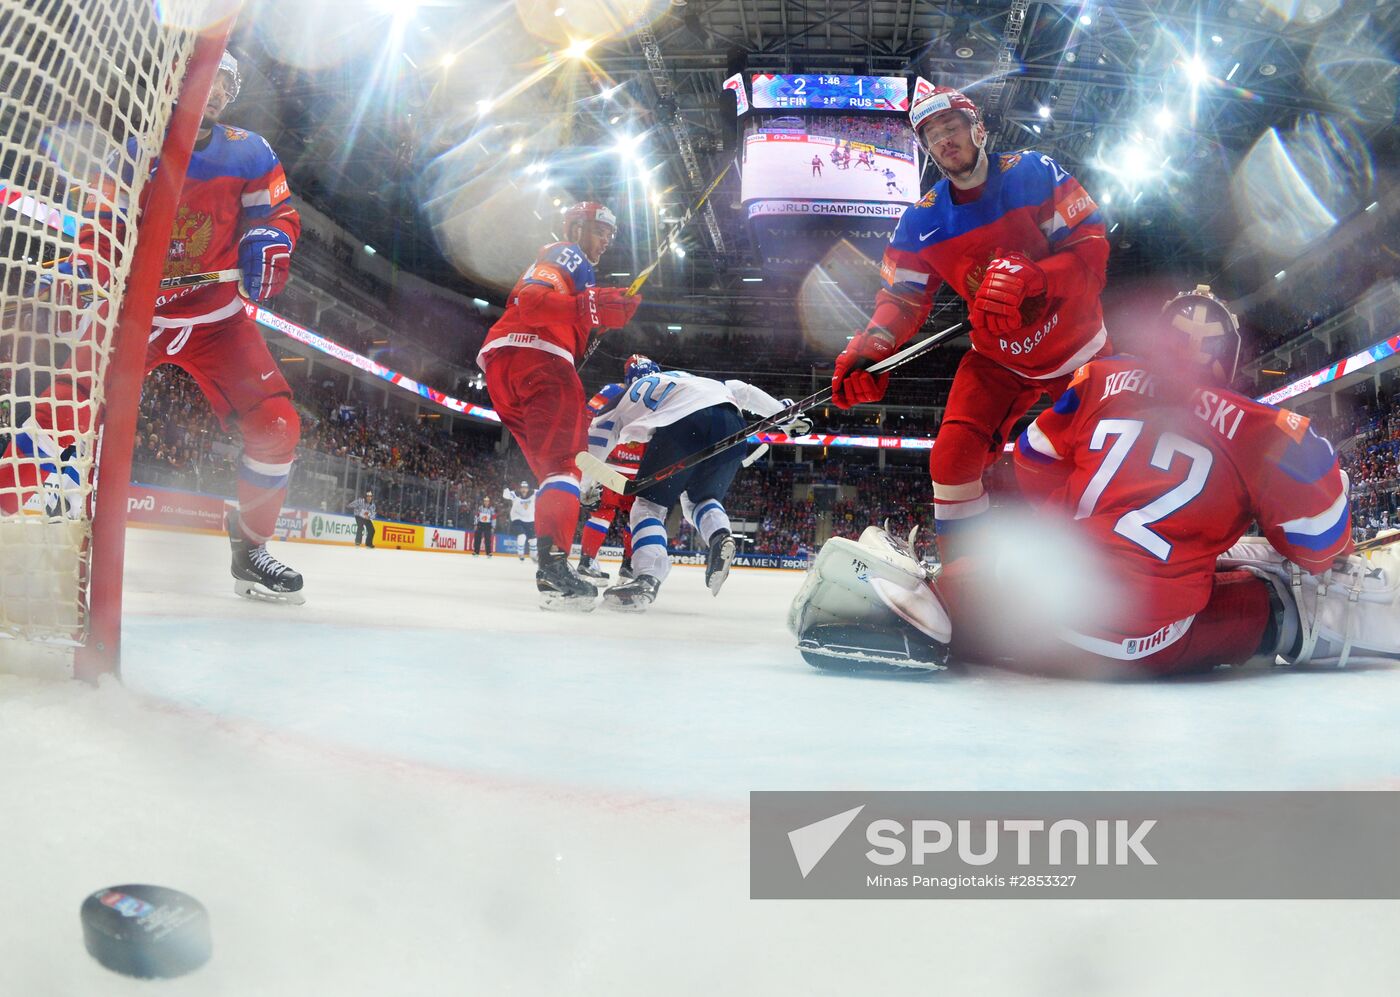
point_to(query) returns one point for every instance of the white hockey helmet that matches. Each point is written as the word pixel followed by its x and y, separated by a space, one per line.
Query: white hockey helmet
pixel 228 64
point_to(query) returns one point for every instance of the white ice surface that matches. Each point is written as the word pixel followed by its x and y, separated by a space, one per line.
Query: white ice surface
pixel 418 783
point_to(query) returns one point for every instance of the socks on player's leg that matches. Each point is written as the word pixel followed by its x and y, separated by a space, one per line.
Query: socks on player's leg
pixel 556 511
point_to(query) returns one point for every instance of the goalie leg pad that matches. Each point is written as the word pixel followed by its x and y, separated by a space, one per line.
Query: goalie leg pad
pixel 869 650
pixel 873 591
pixel 1349 614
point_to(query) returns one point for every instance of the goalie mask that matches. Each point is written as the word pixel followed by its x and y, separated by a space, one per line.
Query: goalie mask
pixel 1199 328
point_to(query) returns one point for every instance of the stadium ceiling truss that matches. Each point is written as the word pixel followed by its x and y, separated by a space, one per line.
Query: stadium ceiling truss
pixel 1100 82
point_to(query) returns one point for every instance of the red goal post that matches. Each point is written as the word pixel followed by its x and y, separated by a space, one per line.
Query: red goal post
pixel 99 91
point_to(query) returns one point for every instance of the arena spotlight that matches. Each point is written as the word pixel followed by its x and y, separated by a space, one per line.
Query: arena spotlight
pixel 577 49
pixel 1043 111
pixel 1197 71
pixel 1164 118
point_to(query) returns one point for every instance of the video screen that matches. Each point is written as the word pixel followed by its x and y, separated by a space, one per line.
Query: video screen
pixel 829 158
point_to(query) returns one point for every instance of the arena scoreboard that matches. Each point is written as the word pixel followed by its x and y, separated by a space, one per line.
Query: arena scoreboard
pixel 826 92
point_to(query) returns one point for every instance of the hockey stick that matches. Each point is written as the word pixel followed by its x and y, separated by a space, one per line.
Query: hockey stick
pixel 666 246
pixel 614 481
pixel 1375 543
pixel 752 458
pixel 189 280
pixel 211 277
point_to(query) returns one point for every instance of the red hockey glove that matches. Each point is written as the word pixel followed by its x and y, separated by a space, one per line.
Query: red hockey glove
pixel 265 257
pixel 606 307
pixel 852 384
pixel 1011 295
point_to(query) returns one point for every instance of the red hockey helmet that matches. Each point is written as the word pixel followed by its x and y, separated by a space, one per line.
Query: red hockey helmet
pixel 1198 326
pixel 930 100
pixel 589 211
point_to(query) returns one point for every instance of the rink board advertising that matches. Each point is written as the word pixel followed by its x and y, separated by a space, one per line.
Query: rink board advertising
pixel 1074 845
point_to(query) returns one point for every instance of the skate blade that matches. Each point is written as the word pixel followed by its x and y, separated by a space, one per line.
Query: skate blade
pixel 260 593
pixel 556 602
pixel 631 606
pixel 716 580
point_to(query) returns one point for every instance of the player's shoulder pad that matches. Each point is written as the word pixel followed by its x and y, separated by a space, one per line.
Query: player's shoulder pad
pixel 915 220
pixel 568 257
pixel 1286 439
pixel 607 397
pixel 247 153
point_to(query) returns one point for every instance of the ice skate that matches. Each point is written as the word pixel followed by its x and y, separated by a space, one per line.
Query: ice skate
pixel 588 569
pixel 722 549
pixel 633 596
pixel 560 586
pixel 625 569
pixel 257 574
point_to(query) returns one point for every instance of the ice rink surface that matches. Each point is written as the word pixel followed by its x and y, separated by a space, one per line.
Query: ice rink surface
pixel 418 783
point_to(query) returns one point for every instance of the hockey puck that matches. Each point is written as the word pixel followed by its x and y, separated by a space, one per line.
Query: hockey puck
pixel 146 931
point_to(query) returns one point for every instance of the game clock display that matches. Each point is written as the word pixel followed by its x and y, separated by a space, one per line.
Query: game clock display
pixel 827 92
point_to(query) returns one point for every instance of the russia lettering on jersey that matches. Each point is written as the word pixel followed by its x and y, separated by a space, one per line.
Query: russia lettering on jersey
pixel 1029 205
pixel 1166 479
pixel 560 268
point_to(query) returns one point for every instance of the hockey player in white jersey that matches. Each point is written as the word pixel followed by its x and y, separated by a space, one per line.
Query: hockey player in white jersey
pixel 677 414
pixel 522 518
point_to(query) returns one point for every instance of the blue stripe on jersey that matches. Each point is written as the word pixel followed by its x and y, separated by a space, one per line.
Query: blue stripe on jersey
pixel 1024 448
pixel 650 521
pixel 1028 184
pixel 248 157
pixel 706 507
pixel 1307 460
pixel 1055 238
pixel 1068 403
pixel 649 541
pixel 258 480
pixel 569 257
pixel 590 525
pixel 597 441
pixel 558 486
pixel 1319 541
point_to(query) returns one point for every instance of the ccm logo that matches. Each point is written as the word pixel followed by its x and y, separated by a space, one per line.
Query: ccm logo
pixel 397 535
pixel 145 504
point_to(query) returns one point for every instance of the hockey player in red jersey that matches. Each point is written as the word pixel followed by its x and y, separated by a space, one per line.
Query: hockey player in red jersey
pixel 1017 238
pixel 1162 469
pixel 530 357
pixel 604 505
pixel 234 211
pixel 1158 468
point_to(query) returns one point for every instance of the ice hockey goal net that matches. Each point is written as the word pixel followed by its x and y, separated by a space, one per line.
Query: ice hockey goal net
pixel 93 94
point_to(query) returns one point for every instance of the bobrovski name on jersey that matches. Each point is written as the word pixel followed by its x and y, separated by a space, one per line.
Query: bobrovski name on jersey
pixel 1221 414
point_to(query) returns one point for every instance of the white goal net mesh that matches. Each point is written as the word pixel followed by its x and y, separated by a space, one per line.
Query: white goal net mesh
pixel 87 88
